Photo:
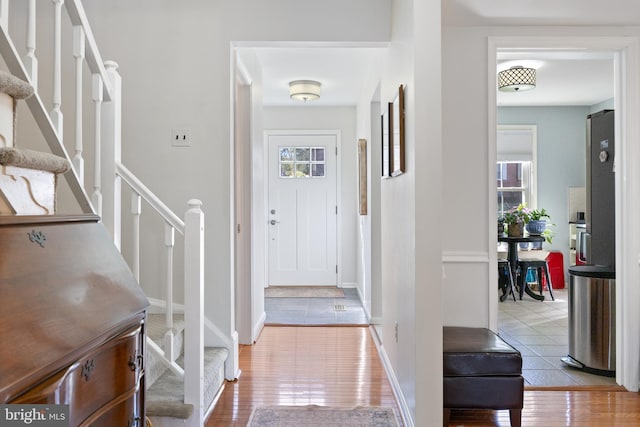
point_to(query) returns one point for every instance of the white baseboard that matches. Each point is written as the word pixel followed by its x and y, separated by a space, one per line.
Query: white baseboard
pixel 258 327
pixel 348 285
pixel 405 412
pixel 367 313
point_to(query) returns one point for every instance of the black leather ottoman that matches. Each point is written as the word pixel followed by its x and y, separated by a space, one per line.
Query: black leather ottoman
pixel 481 371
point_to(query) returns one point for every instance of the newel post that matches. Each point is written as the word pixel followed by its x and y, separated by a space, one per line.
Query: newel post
pixel 111 141
pixel 194 311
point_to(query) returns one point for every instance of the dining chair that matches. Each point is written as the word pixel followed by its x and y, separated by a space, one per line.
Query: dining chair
pixel 506 281
pixel 536 262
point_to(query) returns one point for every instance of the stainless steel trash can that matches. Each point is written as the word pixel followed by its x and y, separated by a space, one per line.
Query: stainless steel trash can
pixel 592 315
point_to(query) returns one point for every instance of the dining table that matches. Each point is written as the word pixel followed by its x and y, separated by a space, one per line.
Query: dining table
pixel 512 257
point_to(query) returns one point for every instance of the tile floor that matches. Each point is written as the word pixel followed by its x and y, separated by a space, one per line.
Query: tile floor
pixel 539 329
pixel 316 311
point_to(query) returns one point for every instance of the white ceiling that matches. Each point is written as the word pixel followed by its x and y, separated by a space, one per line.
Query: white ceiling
pixel 564 78
pixel 541 12
pixel 340 70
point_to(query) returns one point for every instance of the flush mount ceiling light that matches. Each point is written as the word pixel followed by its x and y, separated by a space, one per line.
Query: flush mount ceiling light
pixel 517 79
pixel 304 90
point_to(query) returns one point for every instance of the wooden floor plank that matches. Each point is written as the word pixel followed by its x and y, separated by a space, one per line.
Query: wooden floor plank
pixel 340 366
pixel 293 365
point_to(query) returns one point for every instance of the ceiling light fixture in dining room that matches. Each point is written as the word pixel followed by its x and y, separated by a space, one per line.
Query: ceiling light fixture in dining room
pixel 304 90
pixel 517 79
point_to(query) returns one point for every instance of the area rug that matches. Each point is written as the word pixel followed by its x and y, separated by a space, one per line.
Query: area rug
pixel 322 416
pixel 303 292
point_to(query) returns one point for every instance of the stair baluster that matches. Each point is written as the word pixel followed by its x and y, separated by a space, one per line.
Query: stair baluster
pixel 169 242
pixel 136 210
pixel 96 96
pixel 30 60
pixel 4 14
pixel 56 112
pixel 78 54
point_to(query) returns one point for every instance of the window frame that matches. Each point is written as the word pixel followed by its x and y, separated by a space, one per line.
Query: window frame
pixel 528 158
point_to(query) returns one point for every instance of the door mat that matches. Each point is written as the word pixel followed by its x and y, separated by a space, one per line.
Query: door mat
pixel 322 416
pixel 303 292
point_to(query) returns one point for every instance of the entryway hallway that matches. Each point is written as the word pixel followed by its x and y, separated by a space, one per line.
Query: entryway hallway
pixel 339 310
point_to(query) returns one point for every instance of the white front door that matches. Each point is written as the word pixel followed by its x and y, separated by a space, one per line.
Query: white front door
pixel 302 209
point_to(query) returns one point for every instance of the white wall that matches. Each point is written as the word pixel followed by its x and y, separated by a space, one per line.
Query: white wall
pixel 175 62
pixel 308 117
pixel 253 303
pixel 465 143
pixel 411 214
pixel 369 246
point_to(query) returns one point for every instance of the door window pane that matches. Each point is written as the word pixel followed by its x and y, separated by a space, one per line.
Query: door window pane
pixel 302 154
pixel 317 170
pixel 318 154
pixel 302 162
pixel 286 170
pixel 286 154
pixel 302 170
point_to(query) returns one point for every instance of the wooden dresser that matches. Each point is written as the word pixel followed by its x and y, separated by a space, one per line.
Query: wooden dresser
pixel 72 321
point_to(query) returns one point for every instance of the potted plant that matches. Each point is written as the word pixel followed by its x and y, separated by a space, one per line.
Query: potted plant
pixel 516 219
pixel 537 222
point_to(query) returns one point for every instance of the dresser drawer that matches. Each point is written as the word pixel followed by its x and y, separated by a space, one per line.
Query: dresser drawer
pixel 111 370
pixel 124 412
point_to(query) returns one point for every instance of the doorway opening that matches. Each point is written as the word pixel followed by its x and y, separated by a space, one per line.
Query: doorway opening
pixel 345 71
pixel 619 52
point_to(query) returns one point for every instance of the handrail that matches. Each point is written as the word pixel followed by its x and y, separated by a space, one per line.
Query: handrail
pixel 77 15
pixel 153 200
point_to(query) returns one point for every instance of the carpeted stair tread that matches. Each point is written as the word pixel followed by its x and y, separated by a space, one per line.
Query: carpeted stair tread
pixel 165 398
pixel 156 326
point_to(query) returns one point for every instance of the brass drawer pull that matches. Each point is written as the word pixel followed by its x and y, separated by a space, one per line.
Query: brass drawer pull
pixel 87 369
pixel 37 237
pixel 135 362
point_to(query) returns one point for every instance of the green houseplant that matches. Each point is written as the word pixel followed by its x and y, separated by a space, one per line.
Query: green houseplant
pixel 515 219
pixel 537 224
pixel 534 220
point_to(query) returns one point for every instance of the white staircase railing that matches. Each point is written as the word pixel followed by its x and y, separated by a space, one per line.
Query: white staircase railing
pixel 108 171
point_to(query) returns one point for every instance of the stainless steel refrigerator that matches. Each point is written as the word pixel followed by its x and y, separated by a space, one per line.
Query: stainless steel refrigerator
pixel 592 334
pixel 600 186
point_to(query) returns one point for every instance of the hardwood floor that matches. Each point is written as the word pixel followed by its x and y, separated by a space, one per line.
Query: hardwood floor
pixel 294 365
pixel 339 366
pixel 579 408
